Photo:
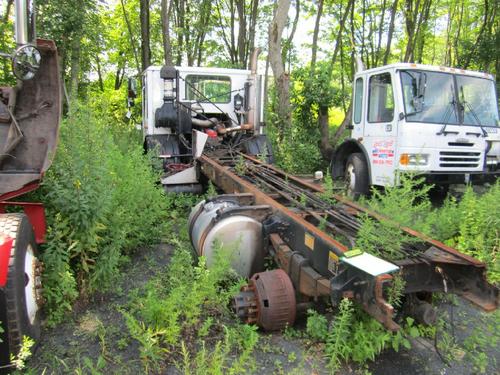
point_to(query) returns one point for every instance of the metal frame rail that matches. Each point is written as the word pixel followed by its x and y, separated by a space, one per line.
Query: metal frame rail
pixel 310 236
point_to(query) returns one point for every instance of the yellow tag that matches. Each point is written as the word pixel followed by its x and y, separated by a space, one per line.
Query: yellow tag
pixel 309 241
pixel 333 256
pixel 333 260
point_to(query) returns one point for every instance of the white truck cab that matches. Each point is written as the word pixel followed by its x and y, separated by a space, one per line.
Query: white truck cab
pixel 186 108
pixel 437 121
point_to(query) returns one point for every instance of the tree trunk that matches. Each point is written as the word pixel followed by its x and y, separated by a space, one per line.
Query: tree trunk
pixel 7 11
pixel 333 60
pixel 380 30
pixel 343 126
pixel 314 47
pixel 288 43
pixel 75 68
pixel 131 36
pixel 324 146
pixel 394 10
pixel 99 72
pixel 281 78
pixel 180 32
pixel 145 39
pixel 242 29
pixel 166 8
pixel 253 24
pixel 266 91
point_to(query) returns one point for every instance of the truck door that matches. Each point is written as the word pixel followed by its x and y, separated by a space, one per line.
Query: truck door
pixel 380 130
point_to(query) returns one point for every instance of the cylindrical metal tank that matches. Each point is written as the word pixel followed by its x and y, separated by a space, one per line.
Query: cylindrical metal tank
pixel 239 235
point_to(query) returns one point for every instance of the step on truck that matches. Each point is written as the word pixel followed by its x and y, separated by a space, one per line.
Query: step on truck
pixel 30 115
pixel 438 122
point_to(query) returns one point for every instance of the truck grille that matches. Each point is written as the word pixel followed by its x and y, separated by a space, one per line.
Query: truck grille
pixel 459 159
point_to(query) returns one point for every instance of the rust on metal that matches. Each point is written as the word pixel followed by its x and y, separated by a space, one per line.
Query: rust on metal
pixel 268 301
pixel 34 118
pixel 230 182
pixel 300 233
pixel 276 304
pixel 310 283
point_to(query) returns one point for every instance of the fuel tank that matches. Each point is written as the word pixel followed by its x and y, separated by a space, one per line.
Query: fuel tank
pixel 240 236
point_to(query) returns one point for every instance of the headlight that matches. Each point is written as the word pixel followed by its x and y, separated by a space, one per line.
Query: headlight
pixel 414 159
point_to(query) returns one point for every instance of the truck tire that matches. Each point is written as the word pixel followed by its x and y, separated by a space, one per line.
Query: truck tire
pixel 356 175
pixel 20 299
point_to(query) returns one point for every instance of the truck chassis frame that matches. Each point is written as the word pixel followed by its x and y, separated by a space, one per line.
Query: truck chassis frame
pixel 299 228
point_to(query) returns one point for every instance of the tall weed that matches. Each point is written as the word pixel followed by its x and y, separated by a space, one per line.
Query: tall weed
pixel 471 224
pixel 175 306
pixel 102 203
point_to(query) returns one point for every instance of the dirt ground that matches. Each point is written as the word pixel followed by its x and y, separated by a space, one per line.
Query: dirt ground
pixel 95 339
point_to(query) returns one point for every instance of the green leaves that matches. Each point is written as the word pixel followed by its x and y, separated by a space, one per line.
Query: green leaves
pixel 102 203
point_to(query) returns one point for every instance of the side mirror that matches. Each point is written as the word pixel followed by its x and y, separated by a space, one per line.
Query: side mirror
pixel 131 91
pixel 26 62
pixel 132 88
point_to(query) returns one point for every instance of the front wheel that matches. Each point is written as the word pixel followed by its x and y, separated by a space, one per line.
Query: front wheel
pixel 356 176
pixel 20 299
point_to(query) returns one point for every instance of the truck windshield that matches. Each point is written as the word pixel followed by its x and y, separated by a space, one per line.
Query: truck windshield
pixel 449 99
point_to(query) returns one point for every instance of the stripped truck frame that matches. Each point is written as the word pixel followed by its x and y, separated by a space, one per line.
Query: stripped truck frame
pixel 298 230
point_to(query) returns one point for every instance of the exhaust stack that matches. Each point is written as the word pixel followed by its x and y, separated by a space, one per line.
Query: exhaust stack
pixel 21 22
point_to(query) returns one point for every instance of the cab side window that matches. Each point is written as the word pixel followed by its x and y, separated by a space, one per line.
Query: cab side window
pixel 381 98
pixel 358 100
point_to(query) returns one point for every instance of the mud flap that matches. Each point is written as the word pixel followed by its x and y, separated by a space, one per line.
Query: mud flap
pixel 258 145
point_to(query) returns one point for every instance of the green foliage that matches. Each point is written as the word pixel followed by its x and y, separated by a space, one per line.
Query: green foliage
pixel 354 335
pixel 170 318
pixel 102 204
pixel 381 238
pixel 240 167
pixel 479 228
pixel 406 204
pixel 19 360
pixel 338 341
pixel 482 340
pixel 469 224
pixel 242 338
pixel 317 325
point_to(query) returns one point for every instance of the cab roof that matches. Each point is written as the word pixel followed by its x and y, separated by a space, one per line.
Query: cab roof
pixel 204 70
pixel 435 68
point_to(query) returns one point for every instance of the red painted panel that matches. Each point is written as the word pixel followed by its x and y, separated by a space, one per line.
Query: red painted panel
pixel 25 189
pixel 5 248
pixel 36 216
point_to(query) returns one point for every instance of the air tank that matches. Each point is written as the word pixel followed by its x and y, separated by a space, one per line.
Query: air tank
pixel 240 235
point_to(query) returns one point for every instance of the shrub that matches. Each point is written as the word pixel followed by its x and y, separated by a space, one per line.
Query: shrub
pixel 171 316
pixel 471 224
pixel 102 203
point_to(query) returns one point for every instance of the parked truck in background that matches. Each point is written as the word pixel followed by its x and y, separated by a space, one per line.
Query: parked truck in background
pixel 185 107
pixel 438 122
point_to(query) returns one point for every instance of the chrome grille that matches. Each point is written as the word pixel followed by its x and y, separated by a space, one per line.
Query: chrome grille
pixel 459 159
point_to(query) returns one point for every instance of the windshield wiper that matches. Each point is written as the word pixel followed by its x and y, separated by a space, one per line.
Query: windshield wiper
pixel 447 114
pixel 464 104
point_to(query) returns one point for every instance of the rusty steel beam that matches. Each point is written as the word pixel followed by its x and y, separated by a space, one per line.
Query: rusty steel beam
pixel 308 281
pixel 231 183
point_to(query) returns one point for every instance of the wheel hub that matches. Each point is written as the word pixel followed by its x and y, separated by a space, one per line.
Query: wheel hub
pixel 350 177
pixel 268 301
pixel 33 284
